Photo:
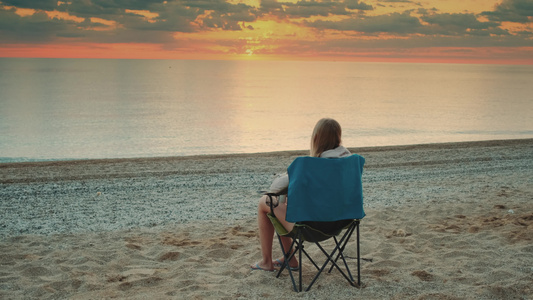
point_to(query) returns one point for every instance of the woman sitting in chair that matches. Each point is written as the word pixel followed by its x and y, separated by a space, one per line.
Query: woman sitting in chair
pixel 325 142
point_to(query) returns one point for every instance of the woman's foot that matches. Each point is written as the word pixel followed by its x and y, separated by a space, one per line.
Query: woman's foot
pixel 279 262
pixel 259 266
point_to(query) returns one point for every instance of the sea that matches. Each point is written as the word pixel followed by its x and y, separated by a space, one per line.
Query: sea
pixel 65 109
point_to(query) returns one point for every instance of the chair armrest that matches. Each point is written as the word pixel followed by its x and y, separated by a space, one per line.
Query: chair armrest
pixel 272 202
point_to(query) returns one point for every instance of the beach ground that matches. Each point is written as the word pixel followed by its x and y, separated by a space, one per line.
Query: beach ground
pixel 444 221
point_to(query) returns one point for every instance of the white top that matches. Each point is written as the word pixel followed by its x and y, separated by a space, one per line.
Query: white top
pixel 280 184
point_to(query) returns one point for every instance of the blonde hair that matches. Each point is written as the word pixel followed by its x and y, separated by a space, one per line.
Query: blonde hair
pixel 326 136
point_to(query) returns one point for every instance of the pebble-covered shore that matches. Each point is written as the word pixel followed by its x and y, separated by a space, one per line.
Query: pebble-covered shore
pixel 104 195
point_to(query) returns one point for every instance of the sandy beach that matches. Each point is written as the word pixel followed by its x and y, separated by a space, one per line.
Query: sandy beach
pixel 444 221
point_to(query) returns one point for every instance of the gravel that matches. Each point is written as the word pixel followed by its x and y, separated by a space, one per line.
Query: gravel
pixel 61 197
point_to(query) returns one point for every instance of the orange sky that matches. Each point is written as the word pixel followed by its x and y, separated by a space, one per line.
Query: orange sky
pixel 461 31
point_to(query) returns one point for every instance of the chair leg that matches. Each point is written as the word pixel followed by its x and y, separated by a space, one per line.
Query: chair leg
pixel 358 258
pixel 328 260
pixel 287 257
pixel 339 245
pixel 300 249
pixel 348 235
pixel 344 241
pixel 341 255
pixel 310 258
pixel 298 245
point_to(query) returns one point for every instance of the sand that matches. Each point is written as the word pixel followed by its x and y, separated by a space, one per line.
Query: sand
pixel 444 221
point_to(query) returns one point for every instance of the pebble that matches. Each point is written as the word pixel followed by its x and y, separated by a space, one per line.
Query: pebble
pixel 56 206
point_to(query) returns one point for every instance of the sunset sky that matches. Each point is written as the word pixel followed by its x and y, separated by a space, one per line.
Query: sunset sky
pixel 463 31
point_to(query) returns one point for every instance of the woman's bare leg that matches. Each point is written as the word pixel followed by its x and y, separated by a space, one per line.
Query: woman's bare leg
pixel 266 232
pixel 281 212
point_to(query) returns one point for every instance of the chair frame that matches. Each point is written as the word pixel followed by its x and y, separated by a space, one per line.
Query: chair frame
pixel 299 233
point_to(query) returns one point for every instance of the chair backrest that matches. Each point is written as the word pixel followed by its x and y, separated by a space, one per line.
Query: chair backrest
pixel 325 189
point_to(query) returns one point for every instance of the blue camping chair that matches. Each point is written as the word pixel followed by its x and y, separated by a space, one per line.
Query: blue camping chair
pixel 325 197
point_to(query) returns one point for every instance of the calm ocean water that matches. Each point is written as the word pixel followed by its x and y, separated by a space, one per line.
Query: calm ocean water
pixel 84 108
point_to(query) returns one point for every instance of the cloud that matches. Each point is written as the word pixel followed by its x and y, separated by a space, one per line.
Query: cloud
pixel 314 26
pixel 228 16
pixel 394 3
pixel 104 8
pixel 396 23
pixel 32 4
pixel 310 8
pixel 354 4
pixel 170 16
pixel 34 28
pixel 460 23
pixel 428 23
pixel 348 45
pixel 520 11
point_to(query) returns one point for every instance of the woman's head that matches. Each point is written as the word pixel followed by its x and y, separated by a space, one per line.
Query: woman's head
pixel 326 136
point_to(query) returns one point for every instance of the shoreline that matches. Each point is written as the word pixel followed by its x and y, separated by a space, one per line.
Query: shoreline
pixel 461 144
pixel 444 221
pixel 8 167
